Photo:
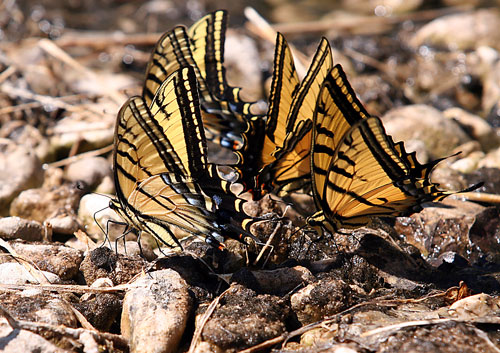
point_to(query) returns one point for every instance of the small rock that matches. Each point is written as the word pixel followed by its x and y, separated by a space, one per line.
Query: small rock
pixel 58 259
pixel 89 170
pixel 15 273
pixel 28 136
pixel 107 186
pixel 38 306
pixel 54 177
pixel 243 70
pixel 132 249
pixel 447 31
pixel 436 230
pixel 320 299
pixel 279 281
pixel 41 204
pixel 477 127
pixel 490 160
pixel 440 135
pixel 20 169
pixel 96 133
pixel 103 262
pixel 19 228
pixel 64 224
pixel 479 305
pixel 384 8
pixel 445 337
pixel 155 312
pixel 94 207
pixel 469 163
pixel 245 319
pixel 22 341
pixel 101 310
pixel 491 88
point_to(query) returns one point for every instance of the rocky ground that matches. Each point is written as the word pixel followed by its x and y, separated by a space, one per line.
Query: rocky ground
pixel 428 282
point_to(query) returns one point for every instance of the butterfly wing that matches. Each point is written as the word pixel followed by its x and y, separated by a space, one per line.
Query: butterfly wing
pixel 363 176
pixel 161 172
pixel 291 169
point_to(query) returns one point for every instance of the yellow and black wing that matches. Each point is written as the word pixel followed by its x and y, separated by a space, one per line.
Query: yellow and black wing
pixel 161 173
pixel 266 136
pixel 202 46
pixel 359 174
pixel 285 161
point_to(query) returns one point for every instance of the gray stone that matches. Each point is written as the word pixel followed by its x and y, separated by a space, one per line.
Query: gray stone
pixel 42 204
pixel 421 122
pixel 23 341
pixel 15 273
pixel 94 207
pixel 27 135
pixel 64 224
pixel 20 169
pixel 242 64
pixel 448 31
pixel 155 312
pixel 58 259
pixel 89 170
pixel 19 228
pixel 320 299
pixel 477 127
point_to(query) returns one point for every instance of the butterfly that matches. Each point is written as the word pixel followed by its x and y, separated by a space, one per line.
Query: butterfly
pixel 162 177
pixel 277 156
pixel 357 170
pixel 225 114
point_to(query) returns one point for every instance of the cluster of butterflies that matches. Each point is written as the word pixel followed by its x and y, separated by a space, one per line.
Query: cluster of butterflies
pixel 316 138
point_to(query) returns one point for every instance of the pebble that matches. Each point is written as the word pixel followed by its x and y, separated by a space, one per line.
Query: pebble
pixel 469 163
pixel 13 340
pixel 60 260
pixel 42 204
pixel 20 169
pixel 95 207
pixel 490 160
pixel 476 126
pixel 448 31
pixel 103 262
pixel 95 131
pixel 244 319
pixel 155 312
pixel 15 273
pixel 479 305
pixel 91 171
pixel 131 248
pixel 421 122
pixel 19 228
pixel 63 224
pixel 436 230
pixel 242 62
pixel 491 88
pixel 279 281
pixel 381 8
pixel 320 299
pixel 29 136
